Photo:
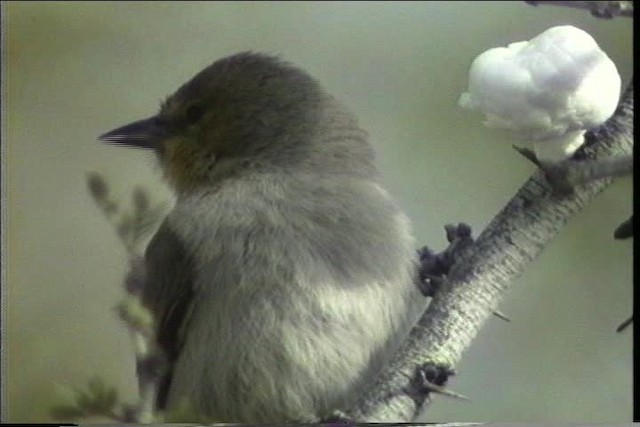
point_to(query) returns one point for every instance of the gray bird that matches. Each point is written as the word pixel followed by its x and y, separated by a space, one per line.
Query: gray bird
pixel 285 275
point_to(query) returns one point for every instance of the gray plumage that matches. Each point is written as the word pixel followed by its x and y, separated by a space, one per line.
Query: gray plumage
pixel 285 275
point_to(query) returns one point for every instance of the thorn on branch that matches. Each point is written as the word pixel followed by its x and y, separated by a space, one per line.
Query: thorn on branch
pixel 624 324
pixel 528 154
pixel 501 315
pixel 430 378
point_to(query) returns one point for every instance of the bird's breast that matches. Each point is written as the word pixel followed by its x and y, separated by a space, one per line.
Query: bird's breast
pixel 302 292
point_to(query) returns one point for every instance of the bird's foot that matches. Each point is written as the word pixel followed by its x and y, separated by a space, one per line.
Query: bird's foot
pixel 434 267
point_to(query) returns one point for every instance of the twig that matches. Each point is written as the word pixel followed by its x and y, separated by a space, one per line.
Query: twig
pixel 132 227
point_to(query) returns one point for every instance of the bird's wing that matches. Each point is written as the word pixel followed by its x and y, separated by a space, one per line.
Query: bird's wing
pixel 168 292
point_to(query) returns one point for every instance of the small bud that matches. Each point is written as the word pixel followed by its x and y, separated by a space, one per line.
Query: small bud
pixel 140 200
pixel 97 186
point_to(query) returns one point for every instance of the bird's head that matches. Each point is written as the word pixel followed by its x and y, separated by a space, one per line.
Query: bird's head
pixel 237 111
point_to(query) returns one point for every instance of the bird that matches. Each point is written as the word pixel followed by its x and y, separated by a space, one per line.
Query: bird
pixel 285 275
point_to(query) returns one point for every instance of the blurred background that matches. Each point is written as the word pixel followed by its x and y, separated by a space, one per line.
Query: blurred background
pixel 74 70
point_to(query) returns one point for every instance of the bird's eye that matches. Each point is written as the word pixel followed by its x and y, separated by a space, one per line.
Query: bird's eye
pixel 194 113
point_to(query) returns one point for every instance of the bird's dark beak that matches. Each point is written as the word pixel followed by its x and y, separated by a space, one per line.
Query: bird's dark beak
pixel 141 134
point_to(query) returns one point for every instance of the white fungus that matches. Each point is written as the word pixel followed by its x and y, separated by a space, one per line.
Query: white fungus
pixel 548 90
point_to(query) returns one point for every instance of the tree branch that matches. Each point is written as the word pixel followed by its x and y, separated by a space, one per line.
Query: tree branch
pixel 476 284
pixel 599 9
